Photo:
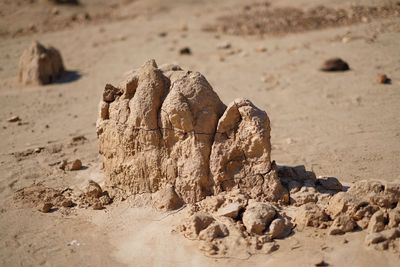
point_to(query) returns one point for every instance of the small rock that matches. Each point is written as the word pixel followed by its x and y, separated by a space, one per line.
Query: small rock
pixel 383 79
pixel 40 65
pixel 322 264
pixel 258 217
pixel 213 231
pixel 342 224
pixel 280 228
pixel 167 199
pixel 199 222
pixel 335 64
pixel 75 165
pixel 231 210
pixel 46 207
pixel 94 190
pixel 377 222
pixel 330 183
pixel 67 203
pixel 63 164
pixel 105 199
pixel 14 119
pixel 261 49
pixel 185 51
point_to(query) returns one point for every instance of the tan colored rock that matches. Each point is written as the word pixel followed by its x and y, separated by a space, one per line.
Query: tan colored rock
pixel 377 222
pixel 159 130
pixel 241 153
pixel 342 224
pixel 231 210
pixel 167 199
pixel 258 217
pixel 312 215
pixel 93 190
pixel 280 228
pixel 330 183
pixel 46 207
pixel 75 165
pixel 40 65
pixel 213 231
pixel 196 223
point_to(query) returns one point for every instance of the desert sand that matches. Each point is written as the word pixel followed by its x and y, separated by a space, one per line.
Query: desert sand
pixel 339 124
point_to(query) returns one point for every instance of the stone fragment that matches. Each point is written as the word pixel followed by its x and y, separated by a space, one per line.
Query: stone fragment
pixel 230 210
pixel 377 222
pixel 258 216
pixel 311 215
pixel 93 190
pixel 342 224
pixel 213 231
pixel 46 207
pixel 335 64
pixel 383 79
pixel 330 183
pixel 14 119
pixel 40 65
pixel 167 199
pixel 185 51
pixel 75 165
pixel 280 228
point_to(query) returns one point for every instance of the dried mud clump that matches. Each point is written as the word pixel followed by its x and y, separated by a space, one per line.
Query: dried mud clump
pixel 47 199
pixel 165 132
pixel 167 128
pixel 40 65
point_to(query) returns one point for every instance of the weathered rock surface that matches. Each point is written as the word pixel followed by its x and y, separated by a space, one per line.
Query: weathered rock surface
pixel 40 65
pixel 165 126
pixel 258 217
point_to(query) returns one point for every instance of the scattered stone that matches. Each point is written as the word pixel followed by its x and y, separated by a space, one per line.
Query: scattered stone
pixel 63 164
pixel 330 183
pixel 75 165
pixel 67 203
pixel 322 264
pixel 93 190
pixel 383 79
pixel 342 224
pixel 311 215
pixel 231 210
pixel 213 231
pixel 185 51
pixel 167 199
pixel 14 119
pixel 258 217
pixel 46 207
pixel 335 64
pixel 280 228
pixel 40 65
pixel 377 222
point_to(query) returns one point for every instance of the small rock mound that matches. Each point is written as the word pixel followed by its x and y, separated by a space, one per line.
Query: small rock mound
pixel 40 65
pixel 165 127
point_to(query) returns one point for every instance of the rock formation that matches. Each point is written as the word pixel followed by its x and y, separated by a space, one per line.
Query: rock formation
pixel 165 127
pixel 40 65
pixel 165 131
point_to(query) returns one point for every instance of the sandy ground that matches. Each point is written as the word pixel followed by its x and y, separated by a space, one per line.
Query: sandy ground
pixel 342 124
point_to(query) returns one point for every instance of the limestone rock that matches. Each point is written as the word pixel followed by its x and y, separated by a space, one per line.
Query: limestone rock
pixel 241 153
pixel 231 210
pixel 342 224
pixel 311 215
pixel 378 222
pixel 258 217
pixel 280 228
pixel 167 199
pixel 40 65
pixel 167 126
pixel 213 231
